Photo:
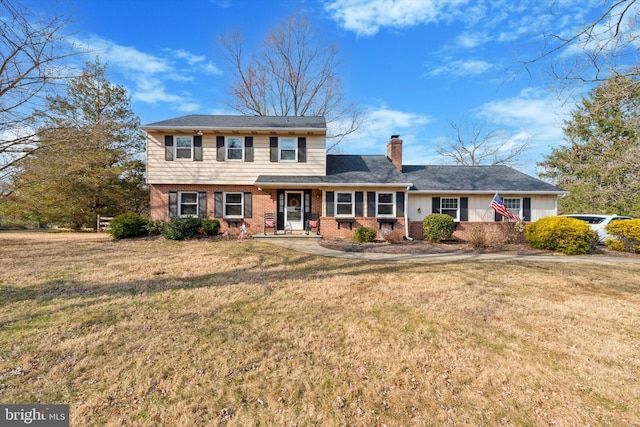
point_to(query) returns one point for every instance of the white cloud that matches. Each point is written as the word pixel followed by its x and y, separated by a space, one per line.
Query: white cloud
pixel 534 115
pixel 383 122
pixel 463 68
pixel 367 17
pixel 149 76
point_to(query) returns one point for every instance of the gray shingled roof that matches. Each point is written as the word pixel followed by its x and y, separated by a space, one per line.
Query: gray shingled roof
pixel 482 179
pixel 204 122
pixel 348 170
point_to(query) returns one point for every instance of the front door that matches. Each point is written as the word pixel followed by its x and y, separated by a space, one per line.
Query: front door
pixel 293 213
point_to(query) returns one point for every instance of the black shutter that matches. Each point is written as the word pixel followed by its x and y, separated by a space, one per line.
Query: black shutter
pixel 168 147
pixel 497 216
pixel 307 204
pixel 435 205
pixel 371 203
pixel 220 148
pixel 464 209
pixel 302 150
pixel 197 148
pixel 173 204
pixel 247 205
pixel 280 213
pixel 329 197
pixel 400 204
pixel 202 204
pixel 526 209
pixel 359 204
pixel 218 205
pixel 248 149
pixel 273 148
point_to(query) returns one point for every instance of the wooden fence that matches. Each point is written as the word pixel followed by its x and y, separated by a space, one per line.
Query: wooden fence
pixel 103 222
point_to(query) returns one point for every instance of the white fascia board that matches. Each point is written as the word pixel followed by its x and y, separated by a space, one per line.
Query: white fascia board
pixel 232 129
pixel 537 193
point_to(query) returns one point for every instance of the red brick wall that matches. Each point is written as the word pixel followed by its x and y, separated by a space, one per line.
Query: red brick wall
pixel 329 227
pixel 262 201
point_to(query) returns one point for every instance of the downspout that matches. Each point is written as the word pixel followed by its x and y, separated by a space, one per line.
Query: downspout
pixel 406 215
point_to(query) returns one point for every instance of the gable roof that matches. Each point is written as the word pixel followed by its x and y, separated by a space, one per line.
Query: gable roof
pixel 475 179
pixel 347 171
pixel 230 122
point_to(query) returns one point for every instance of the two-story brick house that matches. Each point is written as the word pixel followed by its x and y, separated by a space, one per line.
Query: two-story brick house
pixel 243 168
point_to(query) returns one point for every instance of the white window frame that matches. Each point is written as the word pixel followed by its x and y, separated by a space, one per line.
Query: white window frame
pixel 227 147
pixel 294 149
pixel 352 203
pixel 393 204
pixel 225 204
pixel 181 203
pixel 449 208
pixel 176 148
pixel 515 211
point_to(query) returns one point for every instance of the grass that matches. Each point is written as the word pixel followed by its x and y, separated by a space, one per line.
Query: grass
pixel 155 332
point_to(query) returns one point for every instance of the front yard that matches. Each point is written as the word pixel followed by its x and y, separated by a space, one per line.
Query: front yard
pixel 201 332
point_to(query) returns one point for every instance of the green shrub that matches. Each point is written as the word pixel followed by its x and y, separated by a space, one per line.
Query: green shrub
pixel 561 234
pixel 127 225
pixel 438 227
pixel 181 228
pixel 364 235
pixel 154 228
pixel 210 226
pixel 627 234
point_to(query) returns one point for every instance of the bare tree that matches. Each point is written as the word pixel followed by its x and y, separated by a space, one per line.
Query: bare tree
pixel 31 50
pixel 475 145
pixel 294 73
pixel 606 47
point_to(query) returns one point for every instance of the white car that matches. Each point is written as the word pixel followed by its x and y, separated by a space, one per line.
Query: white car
pixel 598 223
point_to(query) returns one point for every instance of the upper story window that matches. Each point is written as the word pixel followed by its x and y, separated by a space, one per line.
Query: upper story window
pixel 513 206
pixel 233 205
pixel 345 205
pixel 183 148
pixel 384 204
pixel 450 206
pixel 188 204
pixel 287 149
pixel 234 148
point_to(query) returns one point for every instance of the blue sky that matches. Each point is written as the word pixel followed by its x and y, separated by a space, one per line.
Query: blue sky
pixel 414 65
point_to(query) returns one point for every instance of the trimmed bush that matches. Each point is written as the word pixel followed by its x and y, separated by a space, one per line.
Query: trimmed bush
pixel 181 228
pixel 210 226
pixel 438 227
pixel 154 228
pixel 561 234
pixel 127 225
pixel 627 233
pixel 364 235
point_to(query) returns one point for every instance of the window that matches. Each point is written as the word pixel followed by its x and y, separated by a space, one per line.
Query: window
pixel 233 207
pixel 344 204
pixel 384 204
pixel 449 206
pixel 188 204
pixel 513 206
pixel 235 148
pixel 184 148
pixel 288 149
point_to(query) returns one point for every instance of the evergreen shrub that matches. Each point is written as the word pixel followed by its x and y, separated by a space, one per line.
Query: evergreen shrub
pixel 627 235
pixel 364 235
pixel 561 234
pixel 181 228
pixel 127 225
pixel 438 227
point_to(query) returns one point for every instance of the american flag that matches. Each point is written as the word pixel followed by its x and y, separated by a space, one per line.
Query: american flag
pixel 497 204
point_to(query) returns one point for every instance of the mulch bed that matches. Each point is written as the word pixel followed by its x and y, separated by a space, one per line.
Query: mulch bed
pixel 454 246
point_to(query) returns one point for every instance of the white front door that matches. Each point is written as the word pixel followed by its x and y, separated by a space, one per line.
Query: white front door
pixel 293 213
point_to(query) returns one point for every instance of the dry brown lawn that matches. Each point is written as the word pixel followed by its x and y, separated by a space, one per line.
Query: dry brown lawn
pixel 198 333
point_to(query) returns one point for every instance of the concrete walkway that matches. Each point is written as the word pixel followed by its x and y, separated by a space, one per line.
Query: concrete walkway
pixel 313 247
